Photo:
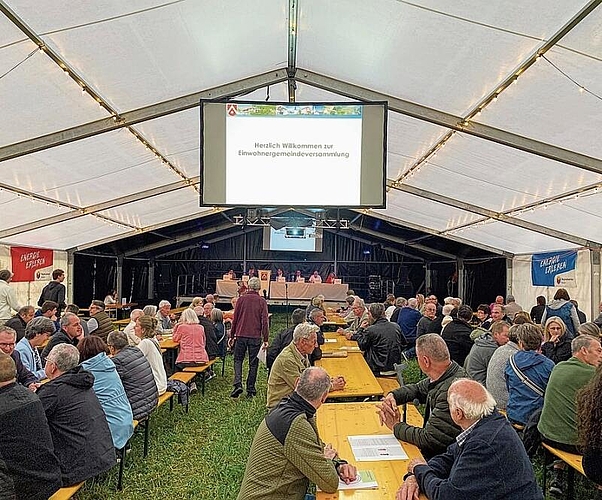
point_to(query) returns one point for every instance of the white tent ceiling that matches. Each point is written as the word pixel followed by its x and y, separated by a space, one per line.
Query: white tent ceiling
pixel 493 125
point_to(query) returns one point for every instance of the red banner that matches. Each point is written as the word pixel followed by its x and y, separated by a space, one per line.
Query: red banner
pixel 26 261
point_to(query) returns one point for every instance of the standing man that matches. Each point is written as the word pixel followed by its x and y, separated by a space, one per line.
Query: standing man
pixel 8 297
pixel 287 452
pixel 55 291
pixel 250 332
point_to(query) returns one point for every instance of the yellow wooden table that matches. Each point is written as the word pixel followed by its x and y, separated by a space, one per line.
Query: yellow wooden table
pixel 361 382
pixel 337 421
pixel 340 343
pixel 171 352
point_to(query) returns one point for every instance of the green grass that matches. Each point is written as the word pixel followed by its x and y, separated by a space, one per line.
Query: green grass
pixel 202 455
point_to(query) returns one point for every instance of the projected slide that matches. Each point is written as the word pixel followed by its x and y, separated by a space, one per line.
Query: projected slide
pixel 297 151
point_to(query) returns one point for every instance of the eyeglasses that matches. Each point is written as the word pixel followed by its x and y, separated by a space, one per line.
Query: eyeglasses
pixel 7 344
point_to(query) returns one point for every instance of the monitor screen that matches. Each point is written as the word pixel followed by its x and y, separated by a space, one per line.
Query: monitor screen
pixel 302 154
pixel 293 239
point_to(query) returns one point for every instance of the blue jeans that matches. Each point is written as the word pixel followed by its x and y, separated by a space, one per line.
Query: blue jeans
pixel 241 346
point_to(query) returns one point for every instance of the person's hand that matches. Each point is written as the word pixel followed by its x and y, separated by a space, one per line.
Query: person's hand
pixel 414 462
pixel 340 331
pixel 231 341
pixel 348 335
pixel 389 414
pixel 365 324
pixel 554 339
pixel 172 317
pixel 338 383
pixel 159 337
pixel 33 387
pixel 265 345
pixel 329 452
pixel 409 490
pixel 347 473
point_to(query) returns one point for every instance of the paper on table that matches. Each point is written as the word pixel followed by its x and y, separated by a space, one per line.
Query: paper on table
pixel 349 348
pixel 376 447
pixel 365 480
pixel 329 341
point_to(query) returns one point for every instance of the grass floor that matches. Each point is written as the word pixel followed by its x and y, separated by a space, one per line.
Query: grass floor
pixel 202 455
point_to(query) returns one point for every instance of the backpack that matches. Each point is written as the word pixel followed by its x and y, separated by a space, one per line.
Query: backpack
pixel 530 435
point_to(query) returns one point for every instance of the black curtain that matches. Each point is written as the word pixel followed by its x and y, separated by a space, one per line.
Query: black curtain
pixel 93 278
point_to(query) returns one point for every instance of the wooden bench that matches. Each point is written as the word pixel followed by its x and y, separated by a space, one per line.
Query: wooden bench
pixel 388 384
pixel 185 378
pixel 67 492
pixel 199 370
pixel 575 463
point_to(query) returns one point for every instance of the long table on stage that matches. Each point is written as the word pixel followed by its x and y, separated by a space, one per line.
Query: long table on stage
pixel 360 381
pixel 226 288
pixel 295 291
pixel 337 421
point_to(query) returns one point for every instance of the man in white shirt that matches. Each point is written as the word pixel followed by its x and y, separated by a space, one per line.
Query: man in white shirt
pixel 315 278
pixel 133 339
pixel 8 297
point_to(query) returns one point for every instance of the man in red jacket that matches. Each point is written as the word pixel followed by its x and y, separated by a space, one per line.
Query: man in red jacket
pixel 250 331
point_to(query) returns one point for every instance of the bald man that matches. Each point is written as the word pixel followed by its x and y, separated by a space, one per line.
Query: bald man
pixel 488 460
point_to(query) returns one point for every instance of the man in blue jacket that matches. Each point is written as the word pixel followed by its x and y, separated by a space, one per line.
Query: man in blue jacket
pixel 488 460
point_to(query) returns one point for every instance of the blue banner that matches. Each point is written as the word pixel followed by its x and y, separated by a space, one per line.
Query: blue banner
pixel 553 268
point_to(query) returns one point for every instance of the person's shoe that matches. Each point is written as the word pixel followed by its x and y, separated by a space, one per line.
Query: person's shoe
pixel 193 387
pixel 557 483
pixel 209 376
pixel 236 392
pixel 251 395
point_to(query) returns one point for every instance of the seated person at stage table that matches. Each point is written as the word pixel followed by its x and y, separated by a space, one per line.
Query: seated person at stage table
pixel 558 421
pixel 284 338
pixel 382 342
pixel 439 430
pixel 136 375
pixel 279 274
pixel 315 278
pixel 36 333
pixel 19 321
pixel 330 278
pixel 111 298
pixel 287 452
pixel 27 445
pixel 7 346
pixel 108 388
pixel 78 425
pixel 298 276
pixel 291 362
pixel 487 460
pixel 360 318
pixel 231 274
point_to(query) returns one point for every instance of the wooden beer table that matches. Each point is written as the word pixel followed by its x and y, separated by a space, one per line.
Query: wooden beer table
pixel 361 382
pixel 171 348
pixel 341 343
pixel 337 421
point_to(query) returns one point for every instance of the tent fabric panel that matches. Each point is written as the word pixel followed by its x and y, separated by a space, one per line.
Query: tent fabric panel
pixel 17 210
pixel 38 97
pixel 512 239
pixel 68 234
pixel 392 49
pixel 423 212
pixel 580 217
pixel 89 171
pixel 496 177
pixel 159 209
pixel 157 54
pixel 547 106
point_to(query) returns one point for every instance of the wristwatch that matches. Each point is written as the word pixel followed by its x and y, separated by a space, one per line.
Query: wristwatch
pixel 338 462
pixel 409 474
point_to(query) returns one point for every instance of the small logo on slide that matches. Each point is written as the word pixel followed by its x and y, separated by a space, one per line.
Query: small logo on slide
pixel 232 109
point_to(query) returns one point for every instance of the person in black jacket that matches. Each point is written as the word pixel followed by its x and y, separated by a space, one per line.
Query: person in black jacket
pixel 19 321
pixel 457 335
pixel 27 445
pixel 557 344
pixel 78 425
pixel 136 375
pixel 284 338
pixel 382 342
pixel 55 291
pixel 7 346
pixel 70 333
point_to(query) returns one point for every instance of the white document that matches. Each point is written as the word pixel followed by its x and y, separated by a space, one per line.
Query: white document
pixel 262 355
pixel 330 341
pixel 376 447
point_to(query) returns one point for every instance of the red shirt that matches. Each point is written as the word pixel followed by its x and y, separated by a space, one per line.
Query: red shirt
pixel 251 317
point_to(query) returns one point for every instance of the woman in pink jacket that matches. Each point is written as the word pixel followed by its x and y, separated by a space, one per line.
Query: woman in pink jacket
pixel 191 336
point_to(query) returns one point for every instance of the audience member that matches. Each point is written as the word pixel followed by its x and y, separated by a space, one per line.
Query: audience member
pixel 217 318
pixel 316 302
pixel 19 321
pixel 99 323
pixel 483 349
pixel 250 328
pixel 191 336
pixel 438 430
pixel 487 460
pixel 70 333
pixel 27 445
pixel 557 344
pixel 589 328
pixel 382 342
pixel 499 300
pixel 317 318
pixel 7 346
pixel 580 314
pixel 146 330
pixel 527 375
pixel 80 432
pixel 562 308
pixel 522 317
pixel 49 310
pixel 598 319
pixel 133 340
pixel 483 315
pixel 207 308
pixel 108 388
pixel 165 318
pixel 589 427
pixel 284 338
pixel 408 319
pixel 287 452
pixel 496 377
pixel 538 309
pixel 429 315
pixel 8 297
pixel 457 335
pixel 497 314
pixel 511 307
pixel 136 375
pixel 447 318
pixel 210 335
pixel 73 308
pixel 111 298
pixel 55 291
pixel 360 317
pixel 558 422
pixel 36 333
pixel 210 299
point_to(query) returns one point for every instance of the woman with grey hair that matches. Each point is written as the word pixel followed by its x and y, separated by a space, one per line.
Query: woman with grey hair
pixel 589 328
